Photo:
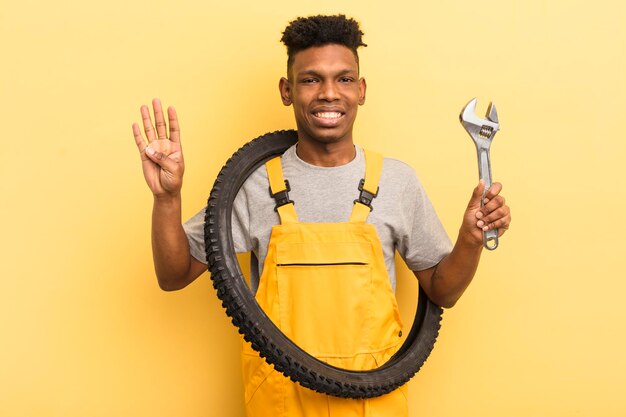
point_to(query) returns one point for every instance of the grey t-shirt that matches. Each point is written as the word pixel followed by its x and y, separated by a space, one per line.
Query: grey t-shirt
pixel 403 215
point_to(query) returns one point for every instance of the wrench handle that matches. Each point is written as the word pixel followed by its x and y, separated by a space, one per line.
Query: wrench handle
pixel 484 168
pixel 490 237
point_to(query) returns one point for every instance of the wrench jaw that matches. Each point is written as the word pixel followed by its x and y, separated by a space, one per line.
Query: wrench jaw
pixel 492 114
pixel 479 129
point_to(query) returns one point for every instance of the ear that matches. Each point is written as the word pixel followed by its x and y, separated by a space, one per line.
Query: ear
pixel 285 91
pixel 362 88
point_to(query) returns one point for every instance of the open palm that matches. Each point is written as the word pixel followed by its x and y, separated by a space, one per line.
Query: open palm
pixel 162 156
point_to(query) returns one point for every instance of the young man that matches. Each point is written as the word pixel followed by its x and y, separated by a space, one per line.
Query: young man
pixel 324 169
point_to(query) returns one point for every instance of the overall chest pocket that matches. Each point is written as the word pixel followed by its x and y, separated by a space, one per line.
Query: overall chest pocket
pixel 325 296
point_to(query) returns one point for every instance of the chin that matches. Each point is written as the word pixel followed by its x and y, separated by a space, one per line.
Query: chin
pixel 326 137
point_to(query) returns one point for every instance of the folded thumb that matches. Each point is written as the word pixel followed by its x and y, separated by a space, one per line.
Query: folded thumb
pixel 159 158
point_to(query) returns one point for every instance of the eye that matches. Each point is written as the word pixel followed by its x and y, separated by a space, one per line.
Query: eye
pixel 309 80
pixel 346 79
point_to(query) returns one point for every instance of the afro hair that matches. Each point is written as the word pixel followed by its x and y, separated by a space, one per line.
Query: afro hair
pixel 306 32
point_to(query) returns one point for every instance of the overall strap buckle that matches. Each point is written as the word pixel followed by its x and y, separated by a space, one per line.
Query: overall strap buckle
pixel 282 197
pixel 373 169
pixel 366 197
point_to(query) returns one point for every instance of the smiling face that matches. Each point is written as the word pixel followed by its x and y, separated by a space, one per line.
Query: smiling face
pixel 325 90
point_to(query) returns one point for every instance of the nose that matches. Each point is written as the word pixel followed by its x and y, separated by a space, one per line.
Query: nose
pixel 328 91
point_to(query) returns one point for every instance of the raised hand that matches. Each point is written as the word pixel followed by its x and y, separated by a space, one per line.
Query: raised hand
pixel 162 157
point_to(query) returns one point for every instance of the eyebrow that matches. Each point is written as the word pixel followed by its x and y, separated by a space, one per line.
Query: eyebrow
pixel 314 72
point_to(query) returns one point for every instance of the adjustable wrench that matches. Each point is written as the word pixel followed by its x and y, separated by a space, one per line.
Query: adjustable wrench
pixel 482 132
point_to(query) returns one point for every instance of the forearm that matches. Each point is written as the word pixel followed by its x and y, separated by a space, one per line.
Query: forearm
pixel 445 283
pixel 170 248
pixel 454 273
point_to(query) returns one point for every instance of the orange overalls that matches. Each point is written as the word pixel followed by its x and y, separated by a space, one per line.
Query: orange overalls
pixel 326 287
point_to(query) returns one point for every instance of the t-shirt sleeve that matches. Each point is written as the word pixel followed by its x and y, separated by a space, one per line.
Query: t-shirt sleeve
pixel 423 241
pixel 194 229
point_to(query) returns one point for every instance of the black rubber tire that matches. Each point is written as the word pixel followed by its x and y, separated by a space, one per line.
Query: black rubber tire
pixel 260 331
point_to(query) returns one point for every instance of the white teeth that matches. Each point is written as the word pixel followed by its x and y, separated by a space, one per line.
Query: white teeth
pixel 328 115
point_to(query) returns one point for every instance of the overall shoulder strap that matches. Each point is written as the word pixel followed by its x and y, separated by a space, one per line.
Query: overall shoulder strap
pixel 279 189
pixel 368 187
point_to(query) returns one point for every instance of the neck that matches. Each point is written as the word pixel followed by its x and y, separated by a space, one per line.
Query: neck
pixel 326 154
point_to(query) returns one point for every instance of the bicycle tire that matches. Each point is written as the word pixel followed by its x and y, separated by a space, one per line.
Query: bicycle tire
pixel 258 329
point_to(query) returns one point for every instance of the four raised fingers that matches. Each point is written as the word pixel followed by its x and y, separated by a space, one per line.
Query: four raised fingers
pixel 156 137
